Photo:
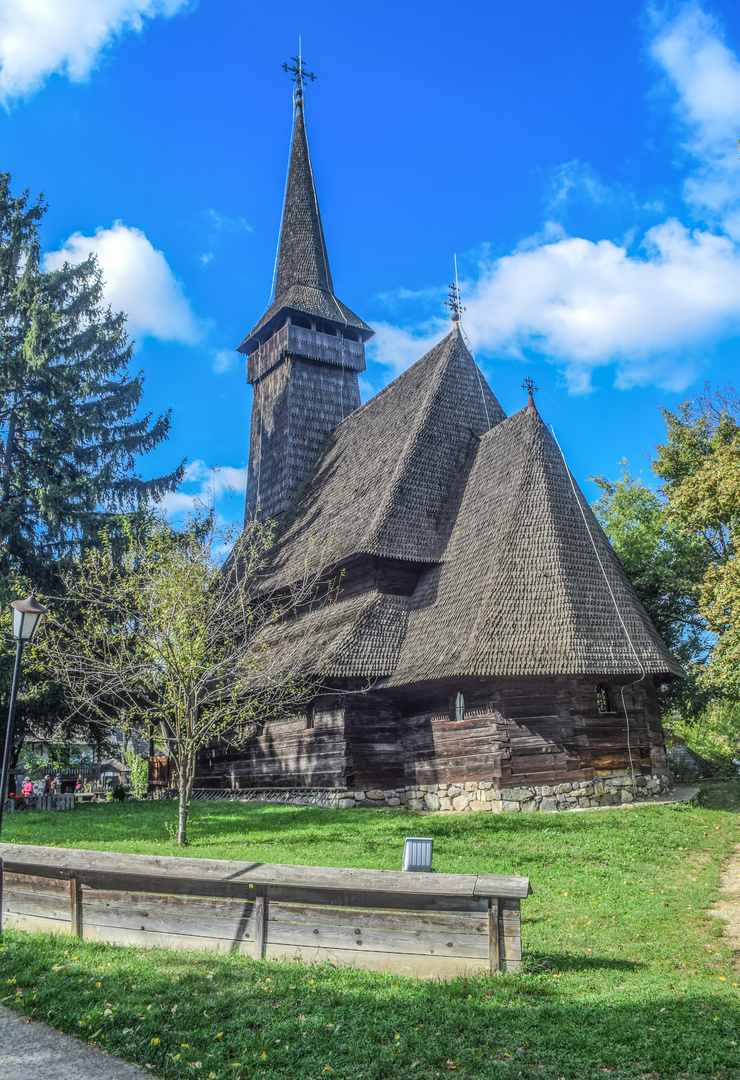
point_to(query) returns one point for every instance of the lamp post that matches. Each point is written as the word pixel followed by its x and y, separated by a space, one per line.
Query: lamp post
pixel 27 614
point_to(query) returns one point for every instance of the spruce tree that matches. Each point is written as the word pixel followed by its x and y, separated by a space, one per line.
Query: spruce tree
pixel 71 435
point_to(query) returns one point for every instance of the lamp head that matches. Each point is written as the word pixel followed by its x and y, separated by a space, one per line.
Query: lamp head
pixel 27 614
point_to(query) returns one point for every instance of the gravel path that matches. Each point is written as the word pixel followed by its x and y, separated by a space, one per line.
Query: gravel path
pixel 33 1051
pixel 728 908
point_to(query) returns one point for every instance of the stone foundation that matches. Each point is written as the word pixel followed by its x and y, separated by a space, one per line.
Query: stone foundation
pixel 484 796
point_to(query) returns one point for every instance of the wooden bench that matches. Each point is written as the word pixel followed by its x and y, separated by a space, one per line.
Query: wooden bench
pixel 426 925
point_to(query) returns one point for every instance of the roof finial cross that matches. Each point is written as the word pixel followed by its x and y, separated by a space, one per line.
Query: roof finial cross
pixel 299 75
pixel 531 389
pixel 453 302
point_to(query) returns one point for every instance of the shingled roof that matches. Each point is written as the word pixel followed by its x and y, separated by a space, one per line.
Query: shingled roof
pixel 303 282
pixel 520 590
pixel 391 476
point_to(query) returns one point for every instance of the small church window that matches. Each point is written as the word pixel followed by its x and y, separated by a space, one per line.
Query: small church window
pixel 311 716
pixel 459 706
pixel 603 698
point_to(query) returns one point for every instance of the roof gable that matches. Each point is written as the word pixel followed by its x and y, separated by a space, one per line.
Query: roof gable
pixel 520 590
pixel 390 479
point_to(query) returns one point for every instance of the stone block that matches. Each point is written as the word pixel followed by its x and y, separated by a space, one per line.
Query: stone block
pixel 453 790
pixel 445 803
pixel 512 807
pixel 516 794
pixel 620 781
pixel 431 787
pixel 431 802
pixel 485 785
pixel 496 806
pixel 415 804
pixel 549 803
pixel 583 802
pixel 423 787
pixel 461 802
pixel 546 790
pixel 346 804
pixel 562 789
pixel 375 795
pixel 479 804
pixel 359 796
pixel 576 785
pixel 598 788
pixel 607 799
pixel 627 796
pixel 472 785
pixel 393 801
pixel 390 794
pixel 529 806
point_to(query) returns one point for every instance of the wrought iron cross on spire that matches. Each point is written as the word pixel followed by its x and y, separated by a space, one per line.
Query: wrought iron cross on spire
pixel 299 75
pixel 529 386
pixel 453 302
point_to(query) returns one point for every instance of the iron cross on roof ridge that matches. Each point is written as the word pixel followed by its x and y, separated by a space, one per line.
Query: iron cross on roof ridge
pixel 299 75
pixel 529 386
pixel 453 302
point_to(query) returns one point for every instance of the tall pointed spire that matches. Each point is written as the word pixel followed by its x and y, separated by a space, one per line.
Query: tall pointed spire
pixel 303 282
pixel 302 259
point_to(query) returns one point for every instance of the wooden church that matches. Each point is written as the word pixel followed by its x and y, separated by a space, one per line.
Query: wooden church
pixel 487 650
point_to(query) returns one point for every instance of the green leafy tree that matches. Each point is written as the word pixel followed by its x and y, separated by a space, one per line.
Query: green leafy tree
pixel 664 563
pixel 166 638
pixel 71 433
pixel 699 465
pixel 138 772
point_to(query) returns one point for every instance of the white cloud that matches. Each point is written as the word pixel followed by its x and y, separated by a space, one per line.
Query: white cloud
pixel 705 75
pixel 138 280
pixel 40 37
pixel 221 486
pixel 649 310
pixel 224 360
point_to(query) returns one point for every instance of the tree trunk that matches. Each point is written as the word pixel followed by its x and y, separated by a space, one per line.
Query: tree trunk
pixel 187 776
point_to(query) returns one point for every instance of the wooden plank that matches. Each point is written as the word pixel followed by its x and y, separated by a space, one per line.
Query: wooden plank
pixel 61 862
pixel 259 927
pixel 158 920
pixel 493 939
pixel 417 966
pixel 122 935
pixel 405 920
pixel 35 924
pixel 41 906
pixel 35 883
pixel 371 939
pixel 75 907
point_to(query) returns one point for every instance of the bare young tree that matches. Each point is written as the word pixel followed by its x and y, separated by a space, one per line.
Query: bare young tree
pixel 166 637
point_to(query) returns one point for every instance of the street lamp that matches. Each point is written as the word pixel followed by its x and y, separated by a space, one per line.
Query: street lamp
pixel 27 614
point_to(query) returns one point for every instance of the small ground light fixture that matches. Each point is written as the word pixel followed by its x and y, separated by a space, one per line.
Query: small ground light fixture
pixel 417 854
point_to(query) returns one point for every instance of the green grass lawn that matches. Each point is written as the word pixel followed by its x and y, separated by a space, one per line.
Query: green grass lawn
pixel 625 975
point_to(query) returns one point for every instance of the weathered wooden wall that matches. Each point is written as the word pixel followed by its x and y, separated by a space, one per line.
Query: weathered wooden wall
pixel 286 753
pixel 413 924
pixel 516 731
pixel 533 731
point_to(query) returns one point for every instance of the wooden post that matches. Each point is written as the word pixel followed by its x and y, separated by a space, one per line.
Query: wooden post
pixel 260 926
pixel 494 961
pixel 75 907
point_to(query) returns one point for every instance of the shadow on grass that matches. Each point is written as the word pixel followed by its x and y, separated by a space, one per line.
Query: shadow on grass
pixel 562 962
pixel 241 1018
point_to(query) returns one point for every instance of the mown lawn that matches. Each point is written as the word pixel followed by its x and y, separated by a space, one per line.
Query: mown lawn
pixel 625 975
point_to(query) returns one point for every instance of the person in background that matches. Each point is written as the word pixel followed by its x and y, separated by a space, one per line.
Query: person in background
pixel 78 785
pixel 53 785
pixel 27 787
pixel 47 785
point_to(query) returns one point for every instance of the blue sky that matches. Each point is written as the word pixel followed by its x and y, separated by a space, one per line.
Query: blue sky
pixel 580 159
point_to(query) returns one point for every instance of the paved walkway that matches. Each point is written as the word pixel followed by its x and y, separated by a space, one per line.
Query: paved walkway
pixel 33 1051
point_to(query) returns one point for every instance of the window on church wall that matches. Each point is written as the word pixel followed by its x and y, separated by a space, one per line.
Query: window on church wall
pixel 603 698
pixel 459 706
pixel 310 717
